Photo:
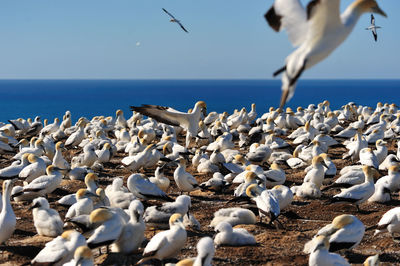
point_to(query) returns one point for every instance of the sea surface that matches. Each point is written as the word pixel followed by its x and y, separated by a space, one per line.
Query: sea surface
pixel 51 98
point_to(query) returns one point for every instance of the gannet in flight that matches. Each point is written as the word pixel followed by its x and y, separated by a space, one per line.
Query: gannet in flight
pixel 170 116
pixel 175 20
pixel 317 31
pixel 373 28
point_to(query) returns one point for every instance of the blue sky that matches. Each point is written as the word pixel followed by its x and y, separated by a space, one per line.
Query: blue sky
pixel 228 39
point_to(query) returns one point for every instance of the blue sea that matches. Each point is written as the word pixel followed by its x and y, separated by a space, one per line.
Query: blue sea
pixel 51 98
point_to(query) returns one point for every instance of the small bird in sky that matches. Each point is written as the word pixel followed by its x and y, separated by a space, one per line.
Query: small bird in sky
pixel 373 28
pixel 175 20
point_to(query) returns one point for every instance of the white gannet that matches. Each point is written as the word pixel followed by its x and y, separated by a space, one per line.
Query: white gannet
pixel 320 255
pixel 104 155
pixel 82 257
pixel 61 249
pixel 139 160
pixel 283 194
pixel 76 138
pixel 83 205
pixel 119 195
pixel 215 183
pixel 274 176
pixel 233 216
pixel 317 173
pixel 306 190
pixel 205 254
pixel 184 180
pixel 109 229
pixel 372 261
pixel 58 159
pixel 358 194
pixel 37 149
pixel 345 232
pixel 160 179
pixel 267 204
pixel 166 244
pixel 47 221
pixel 373 28
pixel 175 20
pixel 158 216
pixel 132 234
pixel 13 170
pixel 170 116
pixel 226 235
pixel 34 170
pixel 7 217
pixel 381 150
pixel 87 158
pixel 317 32
pixel 390 222
pixel 142 188
pixel 41 186
pixel 386 184
pixel 367 157
pixel 250 178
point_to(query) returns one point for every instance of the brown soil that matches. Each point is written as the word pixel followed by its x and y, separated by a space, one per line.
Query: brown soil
pixel 276 245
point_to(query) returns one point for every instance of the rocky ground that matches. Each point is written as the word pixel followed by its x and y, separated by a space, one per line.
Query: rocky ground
pixel 280 245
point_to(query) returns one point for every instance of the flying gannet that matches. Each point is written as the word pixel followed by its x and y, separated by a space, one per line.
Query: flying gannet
pixel 170 116
pixel 373 28
pixel 175 20
pixel 317 31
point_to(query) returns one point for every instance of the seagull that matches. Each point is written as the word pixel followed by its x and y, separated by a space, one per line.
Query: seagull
pixel 317 31
pixel 373 28
pixel 175 20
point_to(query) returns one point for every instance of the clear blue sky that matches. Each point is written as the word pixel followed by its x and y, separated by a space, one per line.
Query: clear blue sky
pixel 227 39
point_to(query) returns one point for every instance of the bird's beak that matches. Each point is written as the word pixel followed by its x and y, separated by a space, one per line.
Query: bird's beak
pixel 284 97
pixel 324 164
pixel 36 205
pixel 204 111
pixel 379 11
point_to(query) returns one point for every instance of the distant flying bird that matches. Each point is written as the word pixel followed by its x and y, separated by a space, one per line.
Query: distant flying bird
pixel 373 28
pixel 175 20
pixel 317 31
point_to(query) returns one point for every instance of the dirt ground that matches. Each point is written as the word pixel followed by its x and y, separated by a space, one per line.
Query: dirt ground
pixel 275 246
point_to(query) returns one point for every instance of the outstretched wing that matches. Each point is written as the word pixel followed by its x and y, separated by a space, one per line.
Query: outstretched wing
pixel 322 16
pixel 169 14
pixel 163 114
pixel 375 34
pixel 183 28
pixel 291 16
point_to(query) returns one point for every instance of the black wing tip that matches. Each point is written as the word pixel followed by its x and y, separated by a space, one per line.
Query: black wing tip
pixel 279 71
pixel 310 8
pixel 273 19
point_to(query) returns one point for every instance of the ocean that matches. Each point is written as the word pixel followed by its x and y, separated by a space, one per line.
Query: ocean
pixel 51 98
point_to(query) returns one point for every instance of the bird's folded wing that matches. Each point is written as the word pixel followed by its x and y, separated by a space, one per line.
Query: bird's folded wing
pixel 162 114
pixel 291 16
pixel 322 15
pixel 38 184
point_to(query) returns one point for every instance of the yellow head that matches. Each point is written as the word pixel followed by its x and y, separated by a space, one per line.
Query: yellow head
pixel 32 158
pixel 368 6
pixel 250 176
pixel 252 191
pixel 342 220
pixel 59 145
pixel 275 166
pixel 91 177
pixel 68 234
pixel 100 215
pixel 201 104
pixel 119 112
pixel 175 218
pixel 83 252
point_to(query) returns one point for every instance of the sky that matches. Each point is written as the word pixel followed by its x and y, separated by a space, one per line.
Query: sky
pixel 133 39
